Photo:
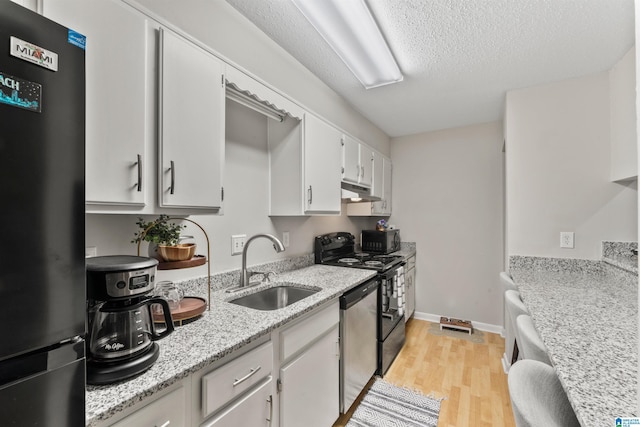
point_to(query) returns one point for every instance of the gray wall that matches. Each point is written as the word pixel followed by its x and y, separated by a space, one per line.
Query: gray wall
pixel 558 171
pixel 447 196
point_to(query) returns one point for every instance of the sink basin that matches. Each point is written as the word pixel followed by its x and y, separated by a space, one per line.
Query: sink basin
pixel 274 298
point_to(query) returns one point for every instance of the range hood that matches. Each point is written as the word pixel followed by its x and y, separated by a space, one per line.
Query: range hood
pixel 357 193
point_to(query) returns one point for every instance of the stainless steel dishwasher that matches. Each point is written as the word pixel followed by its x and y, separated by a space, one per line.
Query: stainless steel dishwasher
pixel 358 340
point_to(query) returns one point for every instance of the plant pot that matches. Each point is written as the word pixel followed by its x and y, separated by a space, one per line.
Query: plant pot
pixel 180 252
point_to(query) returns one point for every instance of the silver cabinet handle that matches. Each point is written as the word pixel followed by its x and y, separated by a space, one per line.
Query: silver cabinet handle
pixel 270 403
pixel 362 167
pixel 246 377
pixel 310 194
pixel 165 424
pixel 139 163
pixel 173 177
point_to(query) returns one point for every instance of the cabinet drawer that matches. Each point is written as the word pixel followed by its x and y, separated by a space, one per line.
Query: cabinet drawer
pixel 234 378
pixel 300 335
pixel 169 410
pixel 255 409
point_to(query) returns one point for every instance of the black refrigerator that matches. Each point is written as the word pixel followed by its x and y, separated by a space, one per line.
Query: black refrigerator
pixel 42 226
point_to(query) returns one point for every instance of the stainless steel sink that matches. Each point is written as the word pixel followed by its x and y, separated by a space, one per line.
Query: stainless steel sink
pixel 274 298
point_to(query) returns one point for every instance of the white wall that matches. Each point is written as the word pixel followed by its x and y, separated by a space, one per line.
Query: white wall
pixel 558 173
pixel 245 212
pixel 447 196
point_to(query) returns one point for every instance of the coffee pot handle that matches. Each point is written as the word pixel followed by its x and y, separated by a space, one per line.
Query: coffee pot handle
pixel 168 320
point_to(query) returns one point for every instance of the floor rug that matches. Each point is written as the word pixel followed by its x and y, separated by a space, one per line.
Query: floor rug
pixel 475 337
pixel 388 405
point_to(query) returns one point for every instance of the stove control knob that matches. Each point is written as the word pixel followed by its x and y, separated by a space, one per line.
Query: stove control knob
pixel 121 284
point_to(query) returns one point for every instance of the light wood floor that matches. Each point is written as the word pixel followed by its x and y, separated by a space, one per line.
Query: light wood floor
pixel 468 375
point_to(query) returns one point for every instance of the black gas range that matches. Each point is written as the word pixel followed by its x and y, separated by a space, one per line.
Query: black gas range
pixel 338 249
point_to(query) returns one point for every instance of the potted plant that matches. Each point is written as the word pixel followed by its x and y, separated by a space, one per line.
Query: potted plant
pixel 163 237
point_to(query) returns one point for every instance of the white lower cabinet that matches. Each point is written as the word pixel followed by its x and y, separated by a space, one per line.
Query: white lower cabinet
pixel 168 410
pixel 310 384
pixel 255 409
pixel 240 390
pixel 310 370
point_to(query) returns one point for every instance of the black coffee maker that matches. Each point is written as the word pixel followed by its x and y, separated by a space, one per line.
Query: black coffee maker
pixel 121 332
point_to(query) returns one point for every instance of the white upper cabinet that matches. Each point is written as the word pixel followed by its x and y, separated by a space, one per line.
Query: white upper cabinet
pixel 383 207
pixel 356 162
pixel 624 145
pixel 377 183
pixel 381 188
pixel 116 110
pixel 322 150
pixel 191 121
pixel 304 167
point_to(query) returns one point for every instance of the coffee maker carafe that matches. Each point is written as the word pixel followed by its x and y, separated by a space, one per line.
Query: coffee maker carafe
pixel 121 332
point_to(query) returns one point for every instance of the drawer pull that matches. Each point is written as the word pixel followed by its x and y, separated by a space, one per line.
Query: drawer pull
pixel 246 377
pixel 270 403
pixel 166 424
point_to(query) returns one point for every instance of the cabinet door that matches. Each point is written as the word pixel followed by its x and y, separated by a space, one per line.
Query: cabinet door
pixel 410 278
pixel 191 124
pixel 310 393
pixel 350 160
pixel 377 182
pixel 366 165
pixel 116 64
pixel 322 170
pixel 383 207
pixel 255 409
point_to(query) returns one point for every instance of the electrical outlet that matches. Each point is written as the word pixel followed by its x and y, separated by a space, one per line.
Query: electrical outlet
pixel 567 239
pixel 90 251
pixel 237 243
pixel 285 239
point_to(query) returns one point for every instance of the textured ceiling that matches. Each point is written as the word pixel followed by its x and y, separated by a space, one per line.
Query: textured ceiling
pixel 459 57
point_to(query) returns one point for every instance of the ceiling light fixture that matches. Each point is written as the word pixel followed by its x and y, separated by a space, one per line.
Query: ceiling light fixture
pixel 349 28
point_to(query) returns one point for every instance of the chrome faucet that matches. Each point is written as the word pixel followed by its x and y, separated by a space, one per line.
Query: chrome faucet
pixel 244 275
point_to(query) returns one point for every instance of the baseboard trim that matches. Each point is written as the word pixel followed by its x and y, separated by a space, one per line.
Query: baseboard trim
pixel 486 327
pixel 506 364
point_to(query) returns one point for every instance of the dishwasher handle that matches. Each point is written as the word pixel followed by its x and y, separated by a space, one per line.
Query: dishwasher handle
pixel 355 295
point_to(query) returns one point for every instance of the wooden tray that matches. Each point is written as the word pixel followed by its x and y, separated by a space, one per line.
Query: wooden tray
pixel 193 262
pixel 190 307
pixel 461 325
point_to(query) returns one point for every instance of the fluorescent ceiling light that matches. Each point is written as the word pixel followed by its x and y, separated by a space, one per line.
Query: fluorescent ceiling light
pixel 349 28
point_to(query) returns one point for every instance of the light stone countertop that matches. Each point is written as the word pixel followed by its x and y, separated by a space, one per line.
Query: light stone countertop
pixel 219 332
pixel 587 316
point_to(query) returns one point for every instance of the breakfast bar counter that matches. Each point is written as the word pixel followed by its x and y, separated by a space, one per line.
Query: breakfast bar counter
pixel 586 313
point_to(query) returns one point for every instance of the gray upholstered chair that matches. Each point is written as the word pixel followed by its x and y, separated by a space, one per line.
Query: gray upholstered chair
pixel 509 333
pixel 515 307
pixel 530 343
pixel 537 397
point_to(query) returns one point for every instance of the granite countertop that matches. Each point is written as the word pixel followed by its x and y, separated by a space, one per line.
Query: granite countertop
pixel 407 249
pixel 587 317
pixel 220 331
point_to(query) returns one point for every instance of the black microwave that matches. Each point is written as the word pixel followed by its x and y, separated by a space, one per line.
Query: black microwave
pixel 381 242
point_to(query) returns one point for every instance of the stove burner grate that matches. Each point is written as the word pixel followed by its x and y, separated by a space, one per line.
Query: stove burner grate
pixel 373 263
pixel 348 260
